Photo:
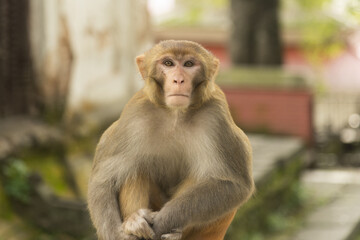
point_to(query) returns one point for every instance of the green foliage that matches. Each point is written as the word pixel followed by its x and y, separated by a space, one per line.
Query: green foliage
pixel 354 10
pixel 5 210
pixel 312 5
pixel 16 184
pixel 321 39
pixel 47 164
pixel 192 13
pixel 203 3
pixel 191 17
pixel 321 31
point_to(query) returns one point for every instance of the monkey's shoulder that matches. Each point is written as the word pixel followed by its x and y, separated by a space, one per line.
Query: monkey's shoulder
pixel 227 132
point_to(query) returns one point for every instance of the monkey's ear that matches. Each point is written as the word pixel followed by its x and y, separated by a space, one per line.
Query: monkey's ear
pixel 141 65
pixel 214 69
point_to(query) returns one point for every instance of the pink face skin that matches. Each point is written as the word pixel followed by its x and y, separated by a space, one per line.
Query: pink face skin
pixel 179 74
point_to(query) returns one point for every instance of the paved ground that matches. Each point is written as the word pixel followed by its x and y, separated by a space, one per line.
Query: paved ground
pixel 339 217
pixel 267 150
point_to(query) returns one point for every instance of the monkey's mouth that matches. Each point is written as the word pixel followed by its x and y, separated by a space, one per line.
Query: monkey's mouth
pixel 178 95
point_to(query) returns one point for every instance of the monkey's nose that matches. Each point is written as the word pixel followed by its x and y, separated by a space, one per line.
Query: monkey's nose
pixel 178 81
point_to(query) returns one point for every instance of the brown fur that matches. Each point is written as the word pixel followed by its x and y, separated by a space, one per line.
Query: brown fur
pixel 134 189
pixel 191 166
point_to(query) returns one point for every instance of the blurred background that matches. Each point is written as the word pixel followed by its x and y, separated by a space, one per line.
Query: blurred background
pixel 290 70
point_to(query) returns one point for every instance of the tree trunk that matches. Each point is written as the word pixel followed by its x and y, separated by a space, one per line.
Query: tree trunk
pixel 255 38
pixel 18 91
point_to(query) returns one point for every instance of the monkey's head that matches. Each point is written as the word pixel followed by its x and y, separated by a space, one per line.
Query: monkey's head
pixel 178 74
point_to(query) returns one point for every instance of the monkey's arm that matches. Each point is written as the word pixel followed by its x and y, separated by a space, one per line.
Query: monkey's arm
pixel 105 184
pixel 208 199
pixel 104 209
pixel 199 204
pixel 107 215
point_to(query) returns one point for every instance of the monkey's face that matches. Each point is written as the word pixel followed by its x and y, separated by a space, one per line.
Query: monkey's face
pixel 178 75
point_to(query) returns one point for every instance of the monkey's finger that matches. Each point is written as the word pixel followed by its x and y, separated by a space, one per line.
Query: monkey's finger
pixel 139 227
pixel 171 236
pixel 129 237
pixel 146 231
pixel 125 236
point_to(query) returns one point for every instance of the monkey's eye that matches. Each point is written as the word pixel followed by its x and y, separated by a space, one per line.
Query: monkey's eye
pixel 188 64
pixel 168 63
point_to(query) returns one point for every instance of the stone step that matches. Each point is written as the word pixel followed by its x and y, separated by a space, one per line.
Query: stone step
pixel 339 218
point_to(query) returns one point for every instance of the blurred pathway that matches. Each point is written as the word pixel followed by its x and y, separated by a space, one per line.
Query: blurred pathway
pixel 339 218
pixel 268 150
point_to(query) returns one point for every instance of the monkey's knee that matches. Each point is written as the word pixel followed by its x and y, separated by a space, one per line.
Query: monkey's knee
pixel 212 231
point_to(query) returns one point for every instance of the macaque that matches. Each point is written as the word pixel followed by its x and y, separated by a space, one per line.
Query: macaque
pixel 174 165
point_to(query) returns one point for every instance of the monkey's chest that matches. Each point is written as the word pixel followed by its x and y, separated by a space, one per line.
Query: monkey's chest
pixel 164 154
pixel 171 150
pixel 163 141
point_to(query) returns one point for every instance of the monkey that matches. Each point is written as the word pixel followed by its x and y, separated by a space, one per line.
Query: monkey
pixel 174 165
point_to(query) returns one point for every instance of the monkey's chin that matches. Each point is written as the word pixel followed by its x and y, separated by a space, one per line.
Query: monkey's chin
pixel 178 101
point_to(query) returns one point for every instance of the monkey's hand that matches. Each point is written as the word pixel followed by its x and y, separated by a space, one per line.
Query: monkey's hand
pixel 162 232
pixel 124 236
pixel 138 224
pixel 174 235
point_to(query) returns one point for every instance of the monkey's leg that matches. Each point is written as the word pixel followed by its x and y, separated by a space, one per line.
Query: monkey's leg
pixel 140 193
pixel 134 195
pixel 134 207
pixel 213 231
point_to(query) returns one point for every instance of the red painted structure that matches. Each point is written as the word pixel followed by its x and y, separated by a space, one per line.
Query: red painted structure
pixel 286 112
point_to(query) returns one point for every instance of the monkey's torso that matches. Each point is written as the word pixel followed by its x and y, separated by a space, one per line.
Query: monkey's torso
pixel 169 147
